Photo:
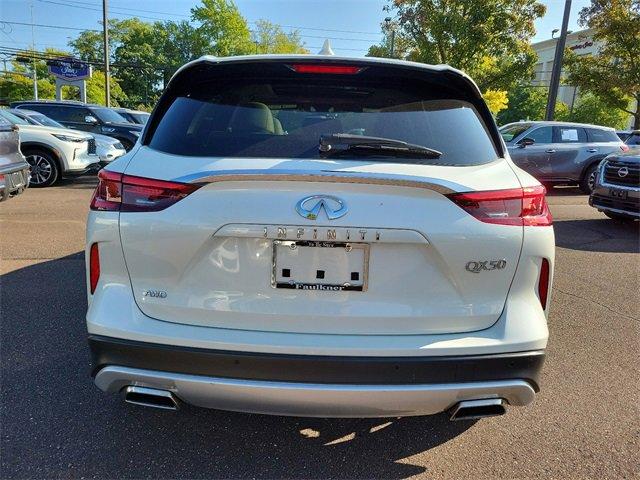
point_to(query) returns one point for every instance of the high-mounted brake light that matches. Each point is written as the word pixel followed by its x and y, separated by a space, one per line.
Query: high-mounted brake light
pixel 517 206
pixel 126 193
pixel 94 267
pixel 330 69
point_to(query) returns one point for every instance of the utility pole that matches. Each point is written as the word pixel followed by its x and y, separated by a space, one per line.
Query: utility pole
pixel 393 41
pixel 557 63
pixel 391 29
pixel 33 52
pixel 105 39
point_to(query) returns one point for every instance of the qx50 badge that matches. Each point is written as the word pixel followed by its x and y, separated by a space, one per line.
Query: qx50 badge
pixel 479 266
pixel 309 207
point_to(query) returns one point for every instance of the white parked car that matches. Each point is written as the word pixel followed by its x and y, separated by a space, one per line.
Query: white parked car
pixel 53 152
pixel 107 148
pixel 320 236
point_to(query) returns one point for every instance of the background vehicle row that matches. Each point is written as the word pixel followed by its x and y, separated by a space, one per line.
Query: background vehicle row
pixel 559 152
pixel 87 117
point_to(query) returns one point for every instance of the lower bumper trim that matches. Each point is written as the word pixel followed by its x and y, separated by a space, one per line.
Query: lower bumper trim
pixel 313 400
pixel 107 351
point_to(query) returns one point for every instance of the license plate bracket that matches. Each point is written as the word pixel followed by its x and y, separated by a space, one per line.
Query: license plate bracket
pixel 618 193
pixel 320 266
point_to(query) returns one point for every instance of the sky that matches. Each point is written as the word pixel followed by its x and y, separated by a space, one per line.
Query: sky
pixel 351 25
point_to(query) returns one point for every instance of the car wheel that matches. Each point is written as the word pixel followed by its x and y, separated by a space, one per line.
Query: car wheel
pixel 44 168
pixel 588 182
pixel 619 216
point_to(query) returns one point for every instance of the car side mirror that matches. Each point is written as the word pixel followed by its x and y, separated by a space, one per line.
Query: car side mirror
pixel 90 119
pixel 526 142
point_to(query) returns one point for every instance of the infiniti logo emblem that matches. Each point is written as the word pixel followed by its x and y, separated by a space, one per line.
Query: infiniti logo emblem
pixel 623 172
pixel 309 207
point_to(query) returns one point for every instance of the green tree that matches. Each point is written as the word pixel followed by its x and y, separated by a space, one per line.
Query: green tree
pixel 613 75
pixel 488 39
pixel 529 103
pixel 591 109
pixel 270 38
pixel 226 30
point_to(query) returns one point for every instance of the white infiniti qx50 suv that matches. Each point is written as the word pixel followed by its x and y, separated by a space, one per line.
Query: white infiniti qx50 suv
pixel 319 236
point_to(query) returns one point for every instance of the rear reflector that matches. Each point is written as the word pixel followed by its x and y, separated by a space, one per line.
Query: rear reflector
pixel 516 206
pixel 126 193
pixel 94 267
pixel 543 283
pixel 329 69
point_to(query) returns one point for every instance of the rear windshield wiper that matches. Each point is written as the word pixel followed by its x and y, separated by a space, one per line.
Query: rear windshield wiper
pixel 363 145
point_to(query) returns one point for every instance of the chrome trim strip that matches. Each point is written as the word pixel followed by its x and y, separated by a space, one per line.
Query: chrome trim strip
pixel 630 213
pixel 320 176
pixel 314 400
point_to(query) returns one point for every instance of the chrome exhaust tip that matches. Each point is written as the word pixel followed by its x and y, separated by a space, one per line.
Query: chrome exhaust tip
pixel 150 397
pixel 474 409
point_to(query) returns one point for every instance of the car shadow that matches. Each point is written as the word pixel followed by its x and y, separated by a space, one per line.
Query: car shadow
pixel 598 235
pixel 56 423
pixel 88 181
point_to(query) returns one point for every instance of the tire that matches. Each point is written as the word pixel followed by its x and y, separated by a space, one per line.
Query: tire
pixel 44 168
pixel 619 216
pixel 589 179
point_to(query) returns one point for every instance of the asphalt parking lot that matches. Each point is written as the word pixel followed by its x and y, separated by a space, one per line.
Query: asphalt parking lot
pixel 55 424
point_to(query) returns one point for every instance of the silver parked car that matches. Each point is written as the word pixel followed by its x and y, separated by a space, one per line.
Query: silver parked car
pixel 560 152
pixel 14 169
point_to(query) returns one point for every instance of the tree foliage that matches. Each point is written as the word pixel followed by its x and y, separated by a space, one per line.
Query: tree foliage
pixel 488 39
pixel 18 85
pixel 145 55
pixel 529 103
pixel 496 100
pixel 270 38
pixel 613 75
pixel 591 109
pixel 226 30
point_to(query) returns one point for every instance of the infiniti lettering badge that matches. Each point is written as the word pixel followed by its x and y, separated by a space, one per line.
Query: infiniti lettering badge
pixel 309 207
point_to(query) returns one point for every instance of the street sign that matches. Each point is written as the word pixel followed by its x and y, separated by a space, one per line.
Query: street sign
pixel 69 69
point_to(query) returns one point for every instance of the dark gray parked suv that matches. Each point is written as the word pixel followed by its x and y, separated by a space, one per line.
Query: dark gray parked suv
pixel 560 152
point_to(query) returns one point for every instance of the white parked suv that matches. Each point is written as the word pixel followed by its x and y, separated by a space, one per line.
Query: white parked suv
pixel 320 236
pixel 54 152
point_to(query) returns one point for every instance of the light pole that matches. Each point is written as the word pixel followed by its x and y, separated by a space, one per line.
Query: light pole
pixel 105 39
pixel 557 63
pixel 33 50
pixel 393 36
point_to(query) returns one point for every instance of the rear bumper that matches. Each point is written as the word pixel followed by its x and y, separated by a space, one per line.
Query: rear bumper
pixel 14 180
pixel 602 199
pixel 309 385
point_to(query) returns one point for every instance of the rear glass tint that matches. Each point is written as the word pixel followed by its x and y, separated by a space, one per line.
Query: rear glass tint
pixel 284 118
pixel 598 135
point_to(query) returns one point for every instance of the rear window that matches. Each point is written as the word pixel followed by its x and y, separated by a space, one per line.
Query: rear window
pixel 599 135
pixel 284 118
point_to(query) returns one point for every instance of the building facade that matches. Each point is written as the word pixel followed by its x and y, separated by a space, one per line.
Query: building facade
pixel 581 42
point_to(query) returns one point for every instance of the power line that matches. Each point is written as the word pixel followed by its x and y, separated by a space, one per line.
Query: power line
pixel 100 31
pixel 189 16
pixel 114 9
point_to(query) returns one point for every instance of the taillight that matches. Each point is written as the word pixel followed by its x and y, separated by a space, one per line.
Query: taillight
pixel 126 193
pixel 94 267
pixel 543 283
pixel 330 69
pixel 516 206
pixel 624 147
